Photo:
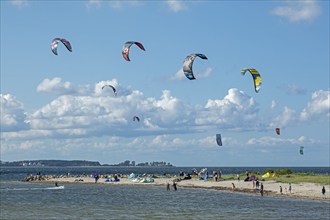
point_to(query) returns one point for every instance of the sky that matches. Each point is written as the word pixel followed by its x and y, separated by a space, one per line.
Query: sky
pixel 54 107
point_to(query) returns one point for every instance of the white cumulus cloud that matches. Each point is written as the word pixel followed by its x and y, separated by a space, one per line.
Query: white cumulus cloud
pixel 12 114
pixel 93 3
pixel 114 4
pixel 19 3
pixel 317 107
pixel 273 104
pixel 236 110
pixel 176 5
pixel 295 90
pixel 57 87
pixel 296 11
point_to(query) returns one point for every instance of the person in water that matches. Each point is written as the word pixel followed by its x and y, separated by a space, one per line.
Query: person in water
pixel 168 186
pixel 262 189
pixel 174 185
pixel 56 184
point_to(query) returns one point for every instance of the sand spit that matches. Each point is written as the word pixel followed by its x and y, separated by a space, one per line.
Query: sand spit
pixel 309 191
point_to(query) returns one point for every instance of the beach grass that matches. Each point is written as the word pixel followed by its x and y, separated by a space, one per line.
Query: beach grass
pixel 322 179
pixel 303 178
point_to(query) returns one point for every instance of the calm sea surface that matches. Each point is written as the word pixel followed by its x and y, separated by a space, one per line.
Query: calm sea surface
pixel 22 200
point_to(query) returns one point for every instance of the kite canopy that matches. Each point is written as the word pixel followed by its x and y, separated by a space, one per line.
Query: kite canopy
pixel 127 46
pixel 136 118
pixel 55 42
pixel 188 63
pixel 266 175
pixel 113 88
pixel 218 138
pixel 301 150
pixel 278 131
pixel 256 77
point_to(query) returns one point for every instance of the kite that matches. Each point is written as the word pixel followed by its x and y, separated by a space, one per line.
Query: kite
pixel 55 42
pixel 278 131
pixel 127 46
pixel 256 77
pixel 136 118
pixel 113 88
pixel 188 63
pixel 218 138
pixel 301 151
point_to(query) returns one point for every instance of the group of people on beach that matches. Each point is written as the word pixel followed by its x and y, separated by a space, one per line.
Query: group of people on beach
pixel 290 189
pixel 217 175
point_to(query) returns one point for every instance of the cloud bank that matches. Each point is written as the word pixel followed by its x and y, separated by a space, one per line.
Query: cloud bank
pixel 86 110
pixel 83 119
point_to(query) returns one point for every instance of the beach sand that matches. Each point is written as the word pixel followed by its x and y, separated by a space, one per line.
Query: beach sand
pixel 309 191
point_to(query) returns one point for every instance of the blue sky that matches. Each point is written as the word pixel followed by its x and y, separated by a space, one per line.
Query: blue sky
pixel 53 107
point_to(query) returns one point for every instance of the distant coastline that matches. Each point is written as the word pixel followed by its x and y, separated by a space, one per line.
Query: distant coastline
pixel 65 163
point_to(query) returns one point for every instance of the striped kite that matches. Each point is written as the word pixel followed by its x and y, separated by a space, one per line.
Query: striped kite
pixel 256 77
pixel 127 46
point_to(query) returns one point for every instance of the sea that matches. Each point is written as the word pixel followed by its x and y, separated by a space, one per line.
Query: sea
pixel 35 200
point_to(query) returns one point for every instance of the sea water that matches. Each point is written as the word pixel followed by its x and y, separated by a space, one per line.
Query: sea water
pixel 23 200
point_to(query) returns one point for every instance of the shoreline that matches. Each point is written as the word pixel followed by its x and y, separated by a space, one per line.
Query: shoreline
pixel 309 191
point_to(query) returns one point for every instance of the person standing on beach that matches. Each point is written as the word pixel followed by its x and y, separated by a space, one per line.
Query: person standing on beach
pixel 323 191
pixel 257 184
pixel 262 189
pixel 96 177
pixel 215 176
pixel 238 178
pixel 281 190
pixel 168 186
pixel 290 188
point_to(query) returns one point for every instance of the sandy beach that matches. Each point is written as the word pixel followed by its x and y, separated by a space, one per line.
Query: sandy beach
pixel 309 191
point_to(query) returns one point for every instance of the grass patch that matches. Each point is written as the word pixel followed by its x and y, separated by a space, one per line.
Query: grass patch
pixel 303 178
pixel 286 176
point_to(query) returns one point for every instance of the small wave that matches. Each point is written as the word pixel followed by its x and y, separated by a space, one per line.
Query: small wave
pixel 35 188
